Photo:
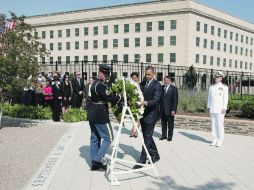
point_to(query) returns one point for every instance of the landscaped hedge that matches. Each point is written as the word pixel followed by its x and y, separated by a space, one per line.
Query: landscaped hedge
pixel 22 111
pixel 248 109
pixel 75 115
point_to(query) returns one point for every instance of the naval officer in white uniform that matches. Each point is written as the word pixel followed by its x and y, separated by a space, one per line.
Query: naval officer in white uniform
pixel 217 106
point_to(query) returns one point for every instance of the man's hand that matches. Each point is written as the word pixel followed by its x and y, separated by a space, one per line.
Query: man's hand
pixel 173 113
pixel 60 97
pixel 80 92
pixel 223 111
pixel 144 103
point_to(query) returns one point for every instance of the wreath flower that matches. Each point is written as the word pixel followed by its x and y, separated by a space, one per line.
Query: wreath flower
pixel 134 98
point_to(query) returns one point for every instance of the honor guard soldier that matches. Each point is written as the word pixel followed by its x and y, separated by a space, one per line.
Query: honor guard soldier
pixel 98 116
pixel 217 105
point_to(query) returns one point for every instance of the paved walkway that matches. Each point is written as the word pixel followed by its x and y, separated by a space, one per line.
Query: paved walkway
pixel 187 163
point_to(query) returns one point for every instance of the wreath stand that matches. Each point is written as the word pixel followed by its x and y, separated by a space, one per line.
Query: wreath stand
pixel 126 116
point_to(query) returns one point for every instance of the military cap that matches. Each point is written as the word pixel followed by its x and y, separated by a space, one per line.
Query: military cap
pixel 219 74
pixel 104 69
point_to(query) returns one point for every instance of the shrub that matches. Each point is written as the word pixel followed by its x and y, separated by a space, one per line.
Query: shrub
pixel 248 109
pixel 235 104
pixel 75 115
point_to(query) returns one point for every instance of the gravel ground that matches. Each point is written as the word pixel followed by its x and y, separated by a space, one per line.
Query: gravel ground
pixel 23 148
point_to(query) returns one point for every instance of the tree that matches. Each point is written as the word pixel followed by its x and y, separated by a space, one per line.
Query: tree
pixel 191 78
pixel 19 50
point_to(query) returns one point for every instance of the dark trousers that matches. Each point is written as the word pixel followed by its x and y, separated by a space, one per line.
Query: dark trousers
pixel 56 109
pixel 167 124
pixel 77 100
pixel 147 130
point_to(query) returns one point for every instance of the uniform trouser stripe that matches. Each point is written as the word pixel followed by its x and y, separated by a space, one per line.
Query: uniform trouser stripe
pixel 110 132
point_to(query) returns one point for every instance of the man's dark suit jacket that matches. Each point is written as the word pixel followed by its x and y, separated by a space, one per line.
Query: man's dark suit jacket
pixel 76 87
pixel 169 100
pixel 152 95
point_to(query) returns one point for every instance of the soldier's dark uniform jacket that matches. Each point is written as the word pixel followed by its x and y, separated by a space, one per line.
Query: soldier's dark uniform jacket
pixel 100 96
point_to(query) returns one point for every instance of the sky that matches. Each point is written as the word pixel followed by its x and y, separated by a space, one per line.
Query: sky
pixel 242 9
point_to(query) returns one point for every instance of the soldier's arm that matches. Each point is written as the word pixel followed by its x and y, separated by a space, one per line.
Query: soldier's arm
pixel 102 90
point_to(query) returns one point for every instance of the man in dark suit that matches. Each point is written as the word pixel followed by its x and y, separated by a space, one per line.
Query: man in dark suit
pixel 78 89
pixel 168 106
pixel 152 92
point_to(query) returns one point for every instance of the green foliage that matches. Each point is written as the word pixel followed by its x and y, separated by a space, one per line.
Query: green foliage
pixel 19 50
pixel 248 109
pixel 22 111
pixel 192 102
pixel 235 104
pixel 191 78
pixel 75 115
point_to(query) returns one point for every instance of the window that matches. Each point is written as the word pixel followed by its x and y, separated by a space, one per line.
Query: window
pixel 148 41
pixel 197 26
pixel 36 35
pixel 105 43
pixel 212 44
pixel 137 27
pixel 211 60
pixel 225 48
pixel 160 41
pixel 251 41
pixel 204 59
pixel 125 58
pixel 95 58
pixel 212 30
pixel 236 37
pixel 172 58
pixel 197 58
pixel 59 33
pixel 161 25
pixel 247 39
pixel 85 31
pixel 148 58
pixel 68 45
pixel 51 60
pixel 218 46
pixel 43 60
pixel 246 52
pixel 95 30
pixel 241 64
pixel 137 42
pixel 137 58
pixel 230 63
pixel 197 41
pixel 225 34
pixel 173 24
pixel 85 44
pixel 43 46
pixel 224 62
pixel 218 61
pixel 51 46
pixel 43 34
pixel 59 46
pixel 105 29
pixel 241 38
pixel 51 33
pixel 115 58
pixel 235 63
pixel 205 28
pixel 59 59
pixel 172 40
pixel 219 32
pixel 251 53
pixel 95 44
pixel 115 43
pixel 230 48
pixel 76 31
pixel 250 66
pixel 149 26
pixel 76 44
pixel 231 35
pixel 160 57
pixel 205 43
pixel 68 32
pixel 126 42
pixel 126 28
pixel 68 59
pixel 241 52
pixel 116 29
pixel 85 58
pixel 104 58
pixel 236 49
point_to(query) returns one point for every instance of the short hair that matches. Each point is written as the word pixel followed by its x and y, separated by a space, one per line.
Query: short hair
pixel 167 77
pixel 150 68
pixel 134 73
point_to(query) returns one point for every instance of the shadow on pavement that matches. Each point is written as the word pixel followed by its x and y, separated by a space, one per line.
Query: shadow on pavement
pixel 166 183
pixel 18 122
pixel 194 137
pixel 85 153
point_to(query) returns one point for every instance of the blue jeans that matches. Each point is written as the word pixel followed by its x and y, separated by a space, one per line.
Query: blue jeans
pixel 100 132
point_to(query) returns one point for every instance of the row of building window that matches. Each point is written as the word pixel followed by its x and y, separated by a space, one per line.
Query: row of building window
pixel 222 62
pixel 115 43
pixel 219 44
pixel 105 29
pixel 226 33
pixel 105 58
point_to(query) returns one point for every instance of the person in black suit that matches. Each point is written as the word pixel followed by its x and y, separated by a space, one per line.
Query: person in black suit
pixel 57 99
pixel 168 106
pixel 78 86
pixel 66 90
pixel 152 93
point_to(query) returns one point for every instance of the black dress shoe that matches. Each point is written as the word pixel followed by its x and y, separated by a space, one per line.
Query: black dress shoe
pixel 137 167
pixel 169 139
pixel 154 159
pixel 162 138
pixel 98 166
pixel 141 161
